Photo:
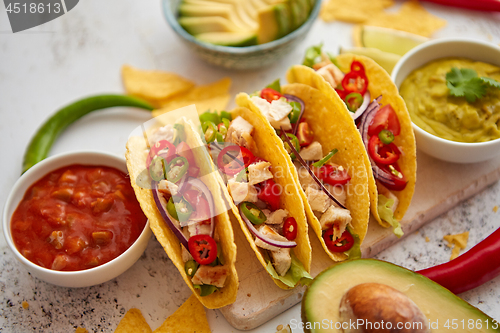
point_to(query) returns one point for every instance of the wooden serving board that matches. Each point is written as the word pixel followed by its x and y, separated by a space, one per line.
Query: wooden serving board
pixel 440 186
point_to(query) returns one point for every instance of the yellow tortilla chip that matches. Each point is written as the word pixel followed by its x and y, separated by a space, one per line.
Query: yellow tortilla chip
pixel 354 11
pixel 136 164
pixel 458 242
pixel 412 17
pixel 190 317
pixel 153 86
pixel 133 322
pixel 271 149
pixel 214 96
pixel 81 330
pixel 332 128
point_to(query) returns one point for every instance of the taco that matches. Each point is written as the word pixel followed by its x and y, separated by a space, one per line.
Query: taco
pixel 262 192
pixel 368 95
pixel 325 155
pixel 178 190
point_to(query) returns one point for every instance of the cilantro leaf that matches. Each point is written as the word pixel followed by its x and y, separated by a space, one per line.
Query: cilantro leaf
pixel 493 83
pixel 465 83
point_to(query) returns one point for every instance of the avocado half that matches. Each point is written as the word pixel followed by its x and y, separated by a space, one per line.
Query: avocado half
pixel 443 309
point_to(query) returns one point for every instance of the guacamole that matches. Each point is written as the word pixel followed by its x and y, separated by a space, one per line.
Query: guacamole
pixel 433 109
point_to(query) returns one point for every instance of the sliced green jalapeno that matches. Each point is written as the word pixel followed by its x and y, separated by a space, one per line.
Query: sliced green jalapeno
pixel 253 213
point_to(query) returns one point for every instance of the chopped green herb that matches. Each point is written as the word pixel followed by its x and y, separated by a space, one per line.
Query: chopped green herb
pixel 464 82
pixel 325 159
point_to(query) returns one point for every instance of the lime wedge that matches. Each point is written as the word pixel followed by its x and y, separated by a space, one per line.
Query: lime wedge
pixel 386 60
pixel 389 40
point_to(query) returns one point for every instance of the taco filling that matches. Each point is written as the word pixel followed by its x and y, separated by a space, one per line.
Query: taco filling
pixel 379 126
pixel 187 207
pixel 252 186
pixel 321 180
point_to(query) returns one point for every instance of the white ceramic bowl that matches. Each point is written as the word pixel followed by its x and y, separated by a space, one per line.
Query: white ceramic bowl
pixel 443 149
pixel 75 279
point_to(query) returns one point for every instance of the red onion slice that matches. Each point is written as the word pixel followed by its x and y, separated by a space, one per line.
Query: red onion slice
pixel 305 165
pixel 199 185
pixel 362 108
pixel 366 119
pixel 302 108
pixel 163 212
pixel 264 238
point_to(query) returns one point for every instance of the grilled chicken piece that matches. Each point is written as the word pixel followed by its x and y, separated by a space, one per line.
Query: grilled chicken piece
pixel 339 192
pixel 241 191
pixel 163 133
pixel 215 276
pixel 275 217
pixel 313 152
pixel 281 260
pixel 276 112
pixel 337 217
pixel 318 200
pixel 332 74
pixel 271 234
pixel 259 172
pixel 240 133
pixel 168 188
pixel 305 178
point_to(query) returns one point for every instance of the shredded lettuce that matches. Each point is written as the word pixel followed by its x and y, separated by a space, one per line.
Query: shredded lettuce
pixel 296 273
pixel 275 85
pixel 205 289
pixel 355 251
pixel 312 54
pixel 386 214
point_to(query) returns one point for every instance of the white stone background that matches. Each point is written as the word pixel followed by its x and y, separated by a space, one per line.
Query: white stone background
pixel 80 54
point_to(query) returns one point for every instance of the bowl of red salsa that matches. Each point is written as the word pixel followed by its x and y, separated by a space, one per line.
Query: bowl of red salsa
pixel 73 219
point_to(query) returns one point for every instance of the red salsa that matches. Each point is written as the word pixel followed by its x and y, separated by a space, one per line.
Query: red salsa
pixel 77 217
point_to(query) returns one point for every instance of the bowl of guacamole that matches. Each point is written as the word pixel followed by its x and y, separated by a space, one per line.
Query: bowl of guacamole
pixel 451 88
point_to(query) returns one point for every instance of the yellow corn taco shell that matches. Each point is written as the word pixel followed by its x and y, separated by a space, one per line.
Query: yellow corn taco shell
pixel 136 164
pixel 332 129
pixel 271 149
pixel 379 84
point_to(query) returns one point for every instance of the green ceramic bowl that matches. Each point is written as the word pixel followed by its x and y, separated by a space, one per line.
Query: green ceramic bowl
pixel 246 57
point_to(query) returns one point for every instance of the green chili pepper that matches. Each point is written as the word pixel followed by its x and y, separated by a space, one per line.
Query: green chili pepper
pixel 223 129
pixel 42 141
pixel 219 137
pixel 253 213
pixel 353 101
pixel 295 142
pixel 205 289
pixel 176 169
pixel 242 176
pixel 210 116
pixel 157 168
pixel 275 85
pixel 295 113
pixel 325 159
pixel 386 136
pixel 226 122
pixel 210 131
pixel 191 267
pixel 220 256
pixel 179 135
pixel 179 208
pixel 225 115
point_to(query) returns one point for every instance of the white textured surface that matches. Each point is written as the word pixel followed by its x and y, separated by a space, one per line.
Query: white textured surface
pixel 80 54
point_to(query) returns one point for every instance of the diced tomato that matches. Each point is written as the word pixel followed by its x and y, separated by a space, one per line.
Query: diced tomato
pixel 304 134
pixel 185 151
pixel 201 210
pixel 332 175
pixel 270 194
pixel 270 94
pixel 382 153
pixel 385 118
pixel 290 228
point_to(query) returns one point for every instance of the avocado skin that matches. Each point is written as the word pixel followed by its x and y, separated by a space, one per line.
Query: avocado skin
pixel 363 272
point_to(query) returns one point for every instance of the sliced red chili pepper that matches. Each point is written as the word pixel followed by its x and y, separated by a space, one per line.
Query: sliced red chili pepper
pixel 357 66
pixel 355 82
pixel 203 248
pixel 290 228
pixel 270 94
pixel 270 194
pixel 185 151
pixel 240 158
pixel 304 134
pixel 332 175
pixel 162 147
pixel 341 244
pixel 381 154
pixel 398 178
pixel 342 93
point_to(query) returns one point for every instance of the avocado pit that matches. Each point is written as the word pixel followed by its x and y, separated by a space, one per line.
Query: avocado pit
pixel 380 308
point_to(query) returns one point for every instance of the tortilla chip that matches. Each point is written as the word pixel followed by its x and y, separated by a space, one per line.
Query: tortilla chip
pixel 81 330
pixel 190 317
pixel 412 17
pixel 136 164
pixel 341 133
pixel 355 11
pixel 214 96
pixel 133 322
pixel 153 86
pixel 271 149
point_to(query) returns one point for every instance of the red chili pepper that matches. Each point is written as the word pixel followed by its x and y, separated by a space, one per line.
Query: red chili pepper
pixel 161 147
pixel 355 82
pixel 341 244
pixel 290 228
pixel 487 5
pixel 332 175
pixel 357 66
pixel 243 158
pixel 470 270
pixel 381 153
pixel 270 193
pixel 203 248
pixel 270 94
